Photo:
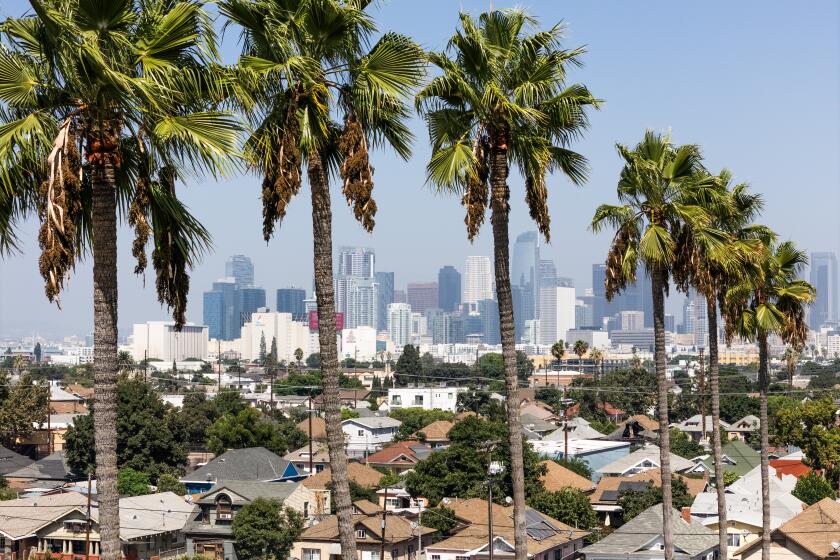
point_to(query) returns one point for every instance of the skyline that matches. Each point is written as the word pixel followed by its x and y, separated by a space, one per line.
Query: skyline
pixel 418 231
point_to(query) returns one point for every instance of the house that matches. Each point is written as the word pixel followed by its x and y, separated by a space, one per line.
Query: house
pixel 280 402
pixel 399 539
pixel 256 464
pixel 396 498
pixel 365 507
pixel 362 475
pixel 641 460
pixel 427 398
pixel 693 427
pixel 300 458
pixel 349 398
pixel 50 472
pixel 363 436
pixel 43 527
pixel 319 427
pixel 49 435
pixel 743 507
pixel 742 428
pixel 558 477
pixel 794 467
pixel 614 413
pixel 547 537
pixel 814 534
pixel 577 428
pixel 435 434
pixel 637 429
pixel 11 461
pixel 65 402
pixel 537 426
pixel 605 498
pixel 209 532
pixel 536 409
pixel 641 539
pixel 736 457
pixel 594 452
pixel 400 456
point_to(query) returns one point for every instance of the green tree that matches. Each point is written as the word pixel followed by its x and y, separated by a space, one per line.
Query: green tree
pixel 313 361
pixel 634 502
pixel 580 348
pixel 409 369
pixel 264 530
pixel 770 299
pixel 132 483
pixel 501 100
pixel 812 488
pixel 23 405
pixel 37 352
pixel 811 426
pixel 558 350
pixel 323 98
pixel 263 352
pixel 414 419
pixel 657 188
pixel 569 505
pixel 169 483
pixel 6 493
pixel 576 465
pixel 298 356
pixel 106 102
pixel 729 477
pixel 684 446
pixel 440 518
pixel 248 429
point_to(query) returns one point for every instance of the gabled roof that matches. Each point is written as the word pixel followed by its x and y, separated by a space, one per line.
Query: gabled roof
pixel 816 528
pixel 794 467
pixel 374 422
pixel 537 424
pixel 648 453
pixel 578 429
pixel 558 477
pixel 365 507
pixel 143 516
pixel 400 453
pixel 245 491
pixel 252 463
pixel 397 529
pixel 58 394
pixel 360 474
pixel 11 461
pixel 634 537
pixel 436 431
pixel 23 517
pixel 737 457
pixel 320 453
pixel 609 487
pixel 319 427
pixel 748 423
pixel 695 424
pixel 51 467
pixel 537 410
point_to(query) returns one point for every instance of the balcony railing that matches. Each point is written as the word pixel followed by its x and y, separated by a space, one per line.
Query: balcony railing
pixel 35 555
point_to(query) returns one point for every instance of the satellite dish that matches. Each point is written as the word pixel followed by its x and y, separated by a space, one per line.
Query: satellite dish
pixel 508 500
pixel 835 545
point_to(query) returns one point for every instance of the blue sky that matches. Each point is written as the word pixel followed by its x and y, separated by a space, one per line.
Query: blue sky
pixel 755 83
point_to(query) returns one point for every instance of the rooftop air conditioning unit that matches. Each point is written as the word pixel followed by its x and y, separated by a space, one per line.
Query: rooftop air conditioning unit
pixel 226 516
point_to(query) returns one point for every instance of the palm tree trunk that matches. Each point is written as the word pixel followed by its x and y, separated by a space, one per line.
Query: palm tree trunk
pixel 765 443
pixel 322 238
pixel 104 229
pixel 717 452
pixel 500 210
pixel 658 284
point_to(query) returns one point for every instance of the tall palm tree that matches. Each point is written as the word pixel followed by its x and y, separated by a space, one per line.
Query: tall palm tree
pixel 501 99
pixel 304 64
pixel 711 273
pixel 104 105
pixel 658 187
pixel 770 300
pixel 597 357
pixel 580 348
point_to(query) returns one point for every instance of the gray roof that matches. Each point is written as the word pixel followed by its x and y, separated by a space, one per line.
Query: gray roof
pixel 143 516
pixel 249 491
pixel 375 422
pixel 252 463
pixel 695 424
pixel 537 424
pixel 634 537
pixel 51 467
pixel 650 453
pixel 11 461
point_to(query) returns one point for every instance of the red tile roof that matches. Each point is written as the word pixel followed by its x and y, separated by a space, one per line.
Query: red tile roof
pixel 399 453
pixel 790 466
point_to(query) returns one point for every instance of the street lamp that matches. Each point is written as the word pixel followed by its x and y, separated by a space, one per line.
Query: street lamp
pixel 493 469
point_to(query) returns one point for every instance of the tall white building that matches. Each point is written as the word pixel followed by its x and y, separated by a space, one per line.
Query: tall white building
pixel 356 261
pixel 399 324
pixel 159 340
pixel 696 318
pixel 558 314
pixel 290 335
pixel 358 343
pixel 477 280
pixel 362 296
pixel 631 320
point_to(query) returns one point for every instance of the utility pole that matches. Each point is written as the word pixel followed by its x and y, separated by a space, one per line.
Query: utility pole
pixel 219 365
pixel 145 366
pixel 87 525
pixel 702 386
pixel 419 528
pixel 311 468
pixel 492 469
pixel 49 418
pixel 384 520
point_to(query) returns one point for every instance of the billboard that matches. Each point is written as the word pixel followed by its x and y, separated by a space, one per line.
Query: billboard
pixel 313 321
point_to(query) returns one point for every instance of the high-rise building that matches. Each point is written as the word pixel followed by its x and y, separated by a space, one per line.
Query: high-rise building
pixel 399 296
pixel 386 298
pixel 360 309
pixel 422 296
pixel 241 269
pixel 356 261
pixel 399 324
pixel 478 280
pixel 524 273
pixel 517 296
pixel 488 309
pixel 449 288
pixel 631 320
pixel 220 310
pixel 696 318
pixel 160 340
pixel 291 300
pixel 824 279
pixel 270 325
pixel 548 295
pixel 248 300
pixel 636 297
pixel 583 312
pixel 556 321
pixel 670 323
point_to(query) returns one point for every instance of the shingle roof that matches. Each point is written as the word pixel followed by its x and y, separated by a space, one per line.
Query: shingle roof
pixel 400 453
pixel 319 427
pixel 320 453
pixel 397 529
pixel 366 507
pixel 578 429
pixel 357 472
pixel 695 424
pixel 253 463
pixel 746 424
pixel 375 422
pixel 11 461
pixel 609 487
pixel 738 457
pixel 23 517
pixel 794 467
pixel 51 467
pixel 437 431
pixel 558 477
pixel 650 453
pixel 815 528
pixel 632 538
pixel 250 490
pixel 142 516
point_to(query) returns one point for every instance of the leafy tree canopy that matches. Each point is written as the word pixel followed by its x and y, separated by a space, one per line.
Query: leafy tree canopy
pixel 132 483
pixel 634 502
pixel 21 406
pixel 812 427
pixel 169 483
pixel 265 530
pixel 440 518
pixel 414 419
pixel 576 465
pixel 409 368
pixel 247 428
pixel 684 446
pixel 569 505
pixel 812 488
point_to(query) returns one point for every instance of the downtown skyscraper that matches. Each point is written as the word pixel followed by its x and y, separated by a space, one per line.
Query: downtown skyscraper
pixel 478 280
pixel 356 288
pixel 232 300
pixel 823 278
pixel 449 288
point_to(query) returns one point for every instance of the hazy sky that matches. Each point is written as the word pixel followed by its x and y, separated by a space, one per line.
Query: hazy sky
pixel 756 83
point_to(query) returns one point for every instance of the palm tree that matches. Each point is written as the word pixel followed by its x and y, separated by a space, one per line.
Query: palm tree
pixel 104 105
pixel 597 357
pixel 306 63
pixel 711 273
pixel 791 358
pixel 298 356
pixel 770 299
pixel 580 349
pixel 658 187
pixel 501 99
pixel 558 350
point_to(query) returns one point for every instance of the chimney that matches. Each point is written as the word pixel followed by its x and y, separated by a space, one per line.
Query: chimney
pixel 686 514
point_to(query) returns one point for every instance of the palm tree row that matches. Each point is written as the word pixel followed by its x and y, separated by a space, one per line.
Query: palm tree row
pixel 104 106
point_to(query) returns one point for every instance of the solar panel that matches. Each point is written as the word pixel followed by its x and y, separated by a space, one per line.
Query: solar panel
pixel 537 527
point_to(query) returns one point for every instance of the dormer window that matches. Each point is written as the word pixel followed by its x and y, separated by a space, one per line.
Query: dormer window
pixel 360 533
pixel 224 508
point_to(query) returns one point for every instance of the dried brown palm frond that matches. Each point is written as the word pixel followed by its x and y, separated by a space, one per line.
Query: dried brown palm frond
pixel 356 172
pixel 138 218
pixel 536 197
pixel 284 180
pixel 60 204
pixel 170 260
pixel 619 272
pixel 476 196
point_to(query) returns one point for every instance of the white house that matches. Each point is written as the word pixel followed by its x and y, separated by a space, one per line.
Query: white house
pixel 427 398
pixel 364 436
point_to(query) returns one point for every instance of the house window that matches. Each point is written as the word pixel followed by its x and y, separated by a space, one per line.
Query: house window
pixel 435 556
pixel 397 400
pixel 462 558
pixel 418 400
pixel 224 510
pixel 733 539
pixel 360 533
pixel 361 433
pixel 306 509
pixel 311 554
